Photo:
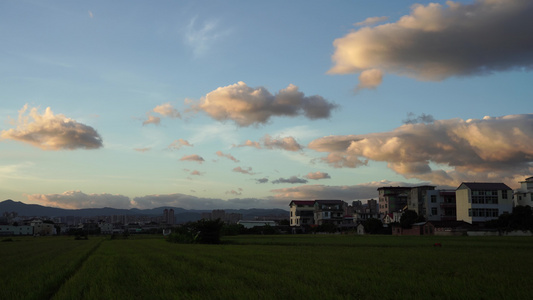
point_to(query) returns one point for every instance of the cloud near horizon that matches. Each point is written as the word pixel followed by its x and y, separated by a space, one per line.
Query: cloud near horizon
pixel 444 152
pixel 362 191
pixel 51 132
pixel 247 106
pixel 436 42
pixel 79 200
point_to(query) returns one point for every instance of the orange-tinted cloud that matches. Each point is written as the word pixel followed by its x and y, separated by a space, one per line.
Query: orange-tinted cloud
pixel 51 132
pixel 253 106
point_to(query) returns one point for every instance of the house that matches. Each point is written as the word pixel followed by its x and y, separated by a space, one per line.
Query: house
pixel 16 230
pixel 252 224
pixel 440 205
pixel 392 199
pixel 329 211
pixel 302 212
pixel 522 196
pixel 483 201
pixel 422 228
pixel 42 228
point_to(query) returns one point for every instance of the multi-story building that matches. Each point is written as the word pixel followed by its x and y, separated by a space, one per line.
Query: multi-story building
pixel 417 199
pixel 483 201
pixel 440 205
pixel 329 211
pixel 522 196
pixel 302 212
pixel 168 216
pixel 392 199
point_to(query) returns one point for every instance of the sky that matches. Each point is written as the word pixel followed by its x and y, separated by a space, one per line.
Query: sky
pixel 252 104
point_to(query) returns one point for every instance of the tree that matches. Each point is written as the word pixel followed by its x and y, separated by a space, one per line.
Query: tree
pixel 373 226
pixel 409 217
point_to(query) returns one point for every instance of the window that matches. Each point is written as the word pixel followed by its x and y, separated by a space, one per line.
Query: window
pixel 433 198
pixel 504 194
pixel 469 212
pixel 433 211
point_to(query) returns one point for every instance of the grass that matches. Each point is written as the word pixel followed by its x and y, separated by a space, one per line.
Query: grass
pixel 273 267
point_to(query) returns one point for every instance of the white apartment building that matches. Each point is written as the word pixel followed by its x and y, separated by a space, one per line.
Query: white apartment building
pixel 483 201
pixel 522 196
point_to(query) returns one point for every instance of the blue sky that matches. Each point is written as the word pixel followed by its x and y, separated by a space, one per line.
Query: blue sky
pixel 241 104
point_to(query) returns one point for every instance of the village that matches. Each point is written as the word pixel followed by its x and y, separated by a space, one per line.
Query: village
pixel 471 209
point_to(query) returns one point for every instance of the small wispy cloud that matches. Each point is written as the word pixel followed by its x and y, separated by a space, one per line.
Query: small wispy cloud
pixel 194 157
pixel 177 144
pixel 247 171
pixel 228 156
pixel 201 37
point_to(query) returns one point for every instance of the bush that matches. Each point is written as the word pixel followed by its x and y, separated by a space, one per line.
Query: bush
pixel 202 232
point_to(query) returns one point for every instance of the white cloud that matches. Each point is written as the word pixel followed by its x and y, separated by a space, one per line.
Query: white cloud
pixel 201 38
pixel 371 21
pixel 436 42
pixel 248 106
pixel 493 149
pixel 52 132
pixel 370 79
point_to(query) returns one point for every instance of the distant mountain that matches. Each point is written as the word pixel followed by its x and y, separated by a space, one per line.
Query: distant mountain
pixel 181 214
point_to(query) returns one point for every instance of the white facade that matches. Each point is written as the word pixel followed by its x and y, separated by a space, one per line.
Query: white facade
pixel 522 196
pixel 252 224
pixel 16 230
pixel 481 202
pixel 440 205
pixel 301 212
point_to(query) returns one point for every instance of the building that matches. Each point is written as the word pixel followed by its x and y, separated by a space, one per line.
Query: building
pixel 329 211
pixel 440 205
pixel 422 228
pixel 483 201
pixel 417 199
pixel 252 224
pixel 42 228
pixel 522 196
pixel 302 213
pixel 392 199
pixel 16 230
pixel 168 216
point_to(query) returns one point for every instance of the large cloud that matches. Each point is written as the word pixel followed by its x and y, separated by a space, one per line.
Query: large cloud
pixel 436 42
pixel 267 142
pixel 78 199
pixel 445 151
pixel 253 106
pixel 342 192
pixel 191 202
pixel 52 132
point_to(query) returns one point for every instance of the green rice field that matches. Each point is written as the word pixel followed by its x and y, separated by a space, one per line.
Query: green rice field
pixel 268 267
